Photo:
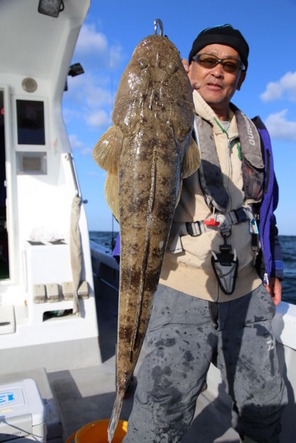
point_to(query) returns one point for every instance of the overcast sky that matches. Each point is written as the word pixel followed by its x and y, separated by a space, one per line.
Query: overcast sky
pixel 107 39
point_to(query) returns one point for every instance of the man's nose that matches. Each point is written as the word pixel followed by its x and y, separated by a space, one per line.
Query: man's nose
pixel 218 69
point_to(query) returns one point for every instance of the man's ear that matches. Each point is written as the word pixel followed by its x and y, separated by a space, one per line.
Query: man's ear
pixel 241 79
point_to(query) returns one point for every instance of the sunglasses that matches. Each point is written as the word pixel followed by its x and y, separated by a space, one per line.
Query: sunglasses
pixel 209 61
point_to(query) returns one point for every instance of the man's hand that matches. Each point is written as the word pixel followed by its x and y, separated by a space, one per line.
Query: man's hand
pixel 275 290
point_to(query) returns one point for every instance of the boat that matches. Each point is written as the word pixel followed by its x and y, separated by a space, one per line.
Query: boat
pixel 44 233
pixel 59 289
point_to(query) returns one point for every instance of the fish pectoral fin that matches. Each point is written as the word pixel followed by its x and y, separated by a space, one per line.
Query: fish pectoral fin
pixel 191 161
pixel 112 194
pixel 106 151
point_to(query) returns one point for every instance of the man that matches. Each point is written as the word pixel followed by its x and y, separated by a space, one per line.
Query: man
pixel 211 303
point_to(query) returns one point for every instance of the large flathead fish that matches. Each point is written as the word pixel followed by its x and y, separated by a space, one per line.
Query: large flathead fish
pixel 147 153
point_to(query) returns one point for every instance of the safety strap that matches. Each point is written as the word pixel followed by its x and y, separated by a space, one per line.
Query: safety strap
pixel 223 221
pixel 220 221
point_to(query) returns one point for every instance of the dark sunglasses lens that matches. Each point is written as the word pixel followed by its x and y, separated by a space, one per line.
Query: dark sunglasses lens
pixel 209 62
pixel 231 66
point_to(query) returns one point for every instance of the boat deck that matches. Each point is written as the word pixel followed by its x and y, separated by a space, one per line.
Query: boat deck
pixel 87 394
pixel 76 397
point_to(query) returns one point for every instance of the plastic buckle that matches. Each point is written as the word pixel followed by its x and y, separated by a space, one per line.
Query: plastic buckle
pixel 225 248
pixel 225 252
pixel 193 229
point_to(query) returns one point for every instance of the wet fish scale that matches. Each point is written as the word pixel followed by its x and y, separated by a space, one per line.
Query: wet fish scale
pixel 144 154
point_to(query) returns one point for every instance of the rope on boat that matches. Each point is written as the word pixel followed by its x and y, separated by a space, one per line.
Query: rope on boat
pixel 75 250
pixel 75 238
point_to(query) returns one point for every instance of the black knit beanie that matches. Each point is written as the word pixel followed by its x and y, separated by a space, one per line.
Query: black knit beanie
pixel 224 35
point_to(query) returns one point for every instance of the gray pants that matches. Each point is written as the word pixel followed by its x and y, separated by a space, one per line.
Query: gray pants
pixel 183 336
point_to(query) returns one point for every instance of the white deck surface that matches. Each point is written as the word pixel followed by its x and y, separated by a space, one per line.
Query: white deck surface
pixel 79 396
pixel 88 394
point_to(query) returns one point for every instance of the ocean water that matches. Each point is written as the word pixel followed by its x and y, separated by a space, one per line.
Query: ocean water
pixel 288 243
pixel 106 239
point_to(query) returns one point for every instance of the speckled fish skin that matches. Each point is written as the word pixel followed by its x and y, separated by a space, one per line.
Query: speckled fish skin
pixel 146 153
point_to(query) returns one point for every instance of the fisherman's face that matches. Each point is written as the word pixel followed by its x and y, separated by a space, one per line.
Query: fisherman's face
pixel 215 85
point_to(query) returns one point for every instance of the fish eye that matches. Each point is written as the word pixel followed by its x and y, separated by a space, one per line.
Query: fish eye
pixel 172 67
pixel 169 66
pixel 143 62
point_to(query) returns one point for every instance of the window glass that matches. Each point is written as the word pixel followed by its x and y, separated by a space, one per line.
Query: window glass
pixel 30 122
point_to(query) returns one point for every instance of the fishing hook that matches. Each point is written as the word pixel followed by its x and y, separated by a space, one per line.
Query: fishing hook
pixel 158 22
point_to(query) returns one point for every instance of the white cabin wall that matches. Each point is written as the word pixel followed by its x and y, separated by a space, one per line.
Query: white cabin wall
pixel 39 204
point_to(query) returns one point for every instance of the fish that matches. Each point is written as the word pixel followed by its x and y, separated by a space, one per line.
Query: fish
pixel 147 152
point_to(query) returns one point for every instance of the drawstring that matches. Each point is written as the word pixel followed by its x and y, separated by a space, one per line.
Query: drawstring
pixel 239 152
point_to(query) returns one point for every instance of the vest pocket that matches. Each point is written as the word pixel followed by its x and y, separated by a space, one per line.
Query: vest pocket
pixel 253 179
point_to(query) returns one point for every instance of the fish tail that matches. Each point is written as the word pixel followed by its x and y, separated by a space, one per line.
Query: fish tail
pixel 115 415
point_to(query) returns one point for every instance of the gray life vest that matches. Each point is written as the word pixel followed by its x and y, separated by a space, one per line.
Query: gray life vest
pixel 225 262
pixel 210 175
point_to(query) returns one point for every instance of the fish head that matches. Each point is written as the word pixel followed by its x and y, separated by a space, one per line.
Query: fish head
pixel 155 85
pixel 155 59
